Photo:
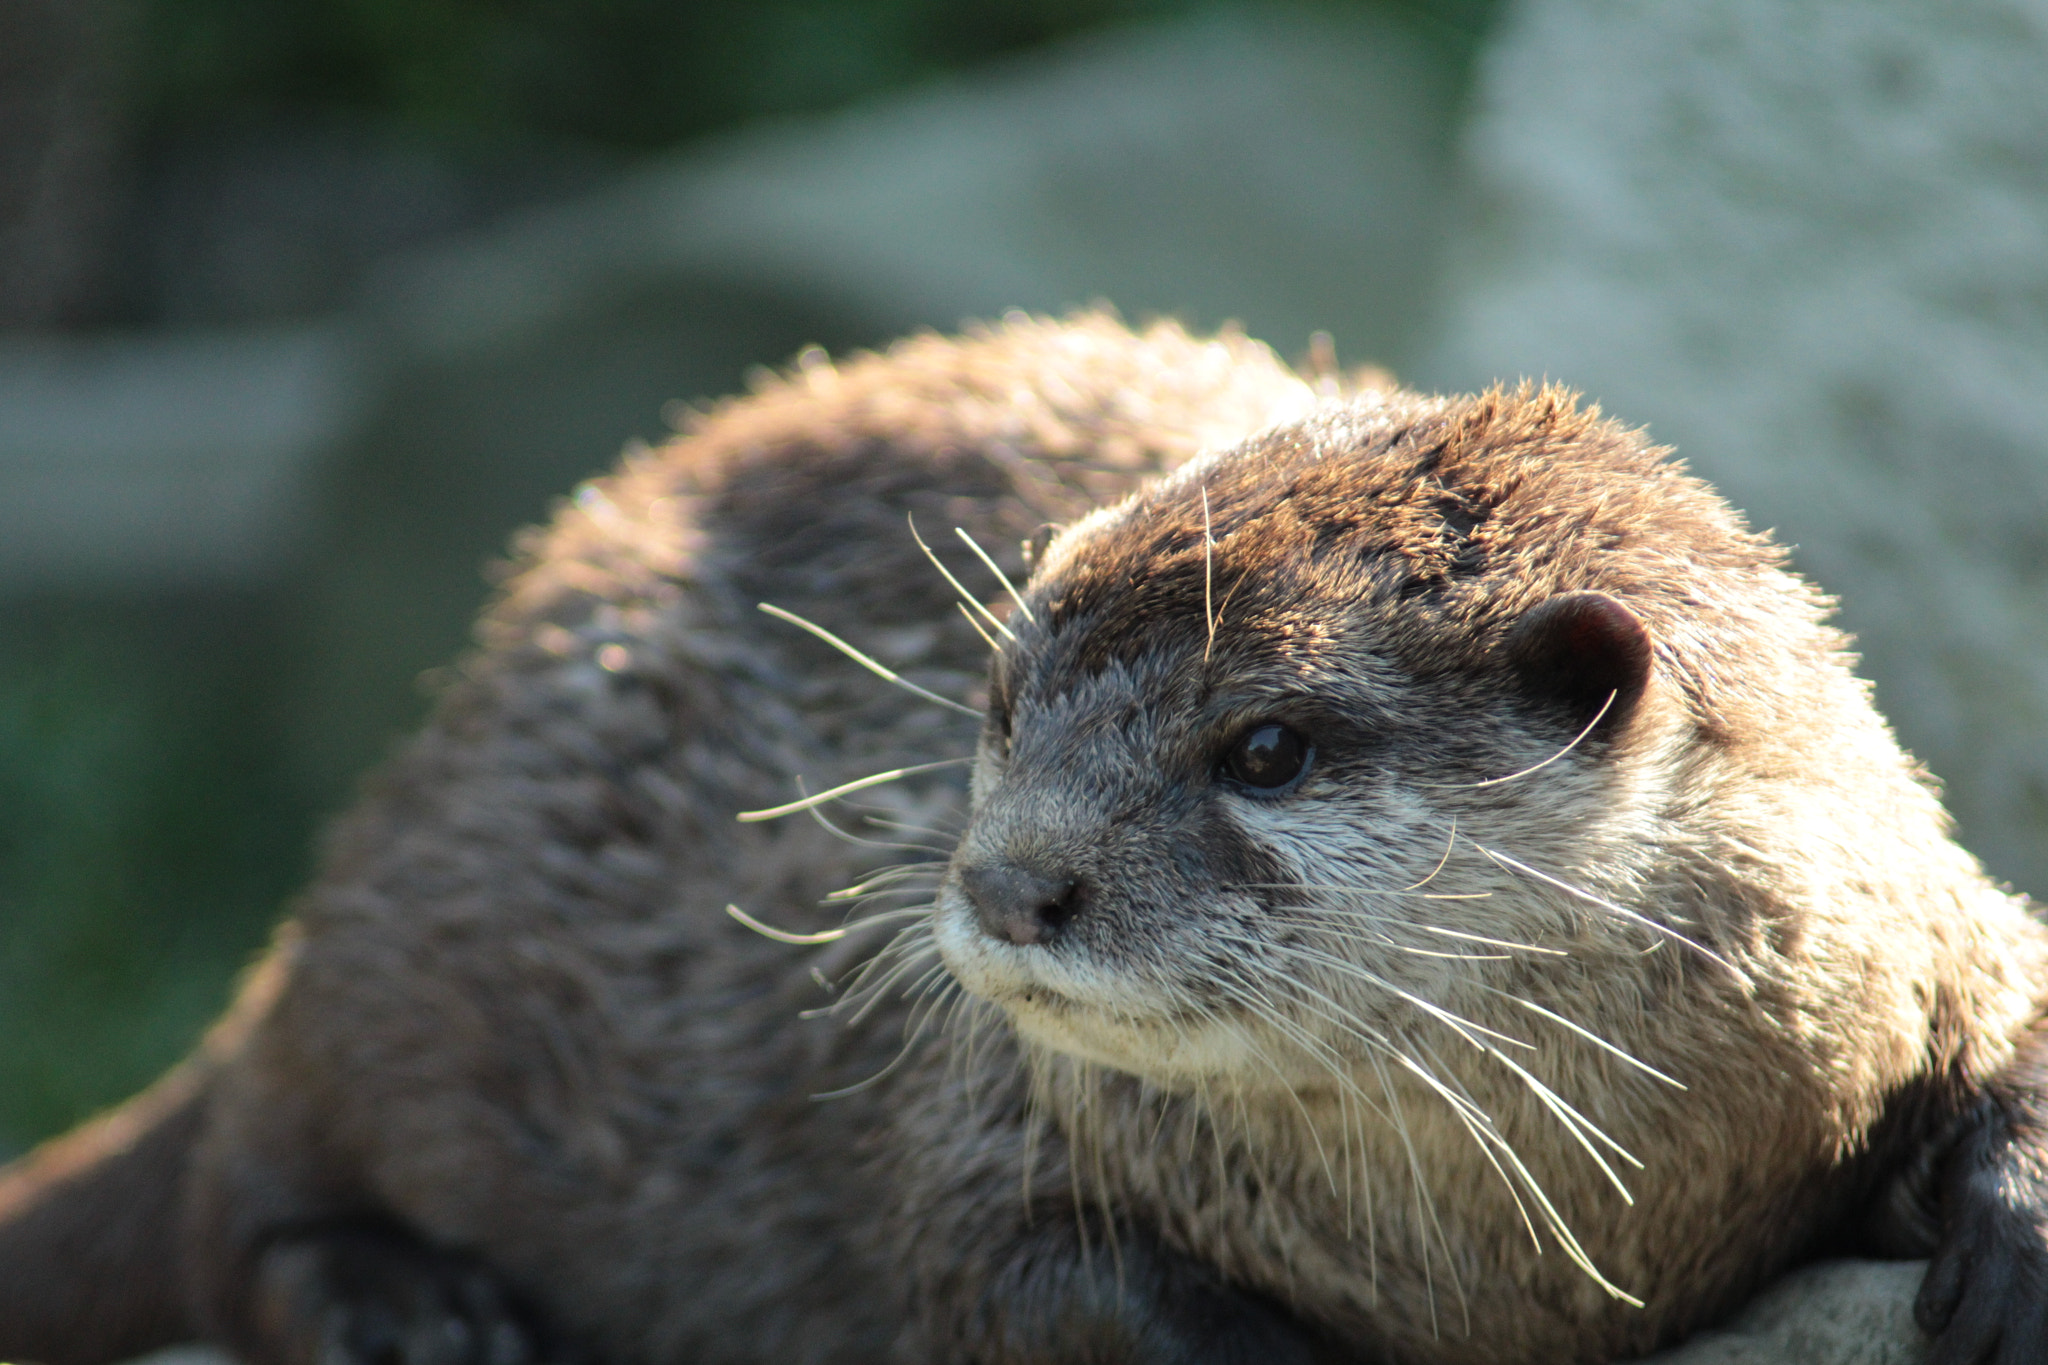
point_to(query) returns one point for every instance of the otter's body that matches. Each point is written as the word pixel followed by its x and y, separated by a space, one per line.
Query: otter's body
pixel 1590 869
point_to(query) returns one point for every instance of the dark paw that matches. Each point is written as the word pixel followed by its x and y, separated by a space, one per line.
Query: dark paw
pixel 1233 1330
pixel 357 1295
pixel 1985 1298
pixel 1053 1304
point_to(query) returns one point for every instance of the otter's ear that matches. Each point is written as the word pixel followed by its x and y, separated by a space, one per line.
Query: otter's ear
pixel 1579 649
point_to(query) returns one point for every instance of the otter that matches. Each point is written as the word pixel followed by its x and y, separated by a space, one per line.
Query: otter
pixel 1357 876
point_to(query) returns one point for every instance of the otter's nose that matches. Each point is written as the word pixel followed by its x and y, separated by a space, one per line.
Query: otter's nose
pixel 1018 905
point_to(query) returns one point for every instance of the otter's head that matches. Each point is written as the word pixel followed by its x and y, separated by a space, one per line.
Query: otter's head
pixel 1344 737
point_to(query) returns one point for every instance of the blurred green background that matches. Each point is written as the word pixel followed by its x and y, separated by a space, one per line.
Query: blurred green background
pixel 168 751
pixel 618 73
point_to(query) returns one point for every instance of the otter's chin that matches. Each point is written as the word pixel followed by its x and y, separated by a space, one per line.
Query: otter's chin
pixel 1172 1053
pixel 1064 1010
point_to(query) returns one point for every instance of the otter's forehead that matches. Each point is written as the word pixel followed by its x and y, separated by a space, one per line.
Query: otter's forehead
pixel 1420 527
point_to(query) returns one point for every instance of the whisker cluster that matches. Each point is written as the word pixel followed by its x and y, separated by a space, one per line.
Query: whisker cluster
pixel 1297 989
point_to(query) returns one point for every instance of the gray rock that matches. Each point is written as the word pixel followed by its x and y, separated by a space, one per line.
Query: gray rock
pixel 1284 171
pixel 1834 1313
pixel 164 460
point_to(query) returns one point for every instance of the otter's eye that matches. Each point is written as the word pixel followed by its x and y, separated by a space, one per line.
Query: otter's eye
pixel 1267 756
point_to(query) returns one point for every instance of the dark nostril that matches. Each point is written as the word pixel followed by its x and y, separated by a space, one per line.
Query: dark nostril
pixel 1017 905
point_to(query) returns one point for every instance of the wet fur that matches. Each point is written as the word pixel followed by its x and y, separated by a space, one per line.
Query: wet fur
pixel 511 1028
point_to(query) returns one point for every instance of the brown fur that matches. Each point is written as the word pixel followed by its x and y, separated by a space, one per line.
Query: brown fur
pixel 512 1020
pixel 1370 565
pixel 106 1196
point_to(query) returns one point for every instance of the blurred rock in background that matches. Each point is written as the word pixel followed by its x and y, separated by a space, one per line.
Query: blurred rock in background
pixel 176 458
pixel 1276 168
pixel 1833 1313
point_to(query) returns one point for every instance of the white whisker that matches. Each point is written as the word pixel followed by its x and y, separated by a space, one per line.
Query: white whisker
pixel 1449 844
pixel 1602 902
pixel 1534 767
pixel 986 638
pixel 1425 1202
pixel 1551 1217
pixel 1484 1134
pixel 902 1053
pixel 858 784
pixel 1404 894
pixel 877 990
pixel 884 883
pixel 969 598
pixel 852 838
pixel 1580 1127
pixel 881 817
pixel 1475 1120
pixel 1595 1039
pixel 1352 912
pixel 997 570
pixel 873 666
pixel 783 935
pixel 1315 1135
pixel 1464 1027
pixel 1284 914
pixel 1492 942
pixel 1208 576
pixel 1397 1120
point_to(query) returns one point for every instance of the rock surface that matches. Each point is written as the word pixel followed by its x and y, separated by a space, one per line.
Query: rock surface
pixel 1280 170
pixel 164 459
pixel 1834 1313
